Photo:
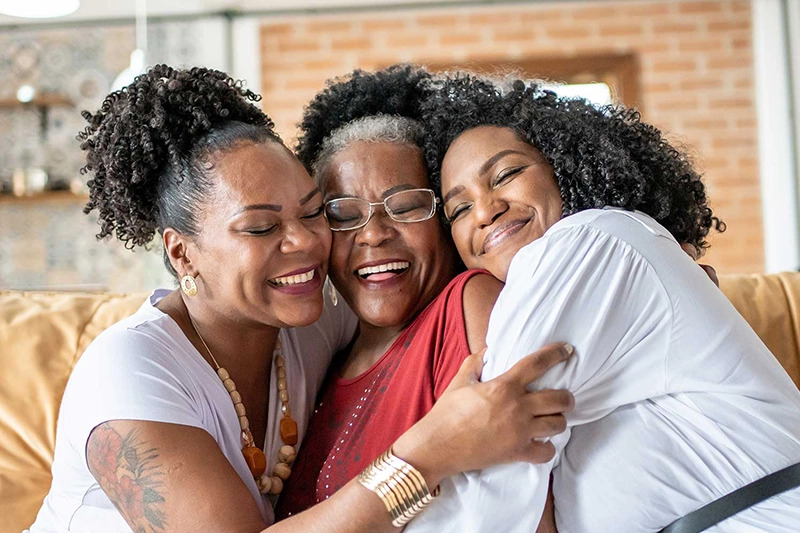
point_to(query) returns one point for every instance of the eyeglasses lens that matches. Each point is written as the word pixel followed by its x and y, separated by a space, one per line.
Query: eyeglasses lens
pixel 413 205
pixel 410 206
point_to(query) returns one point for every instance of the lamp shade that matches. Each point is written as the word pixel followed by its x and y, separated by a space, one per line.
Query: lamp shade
pixel 38 8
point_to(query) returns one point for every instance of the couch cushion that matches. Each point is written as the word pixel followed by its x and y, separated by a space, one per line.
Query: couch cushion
pixel 771 305
pixel 41 338
pixel 43 334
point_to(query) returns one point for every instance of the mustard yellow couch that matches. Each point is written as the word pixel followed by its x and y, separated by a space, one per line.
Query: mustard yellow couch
pixel 42 335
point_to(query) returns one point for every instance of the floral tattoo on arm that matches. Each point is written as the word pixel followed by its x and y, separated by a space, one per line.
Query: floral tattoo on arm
pixel 130 474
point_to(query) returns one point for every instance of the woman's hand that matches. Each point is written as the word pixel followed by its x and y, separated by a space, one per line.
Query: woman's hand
pixel 475 425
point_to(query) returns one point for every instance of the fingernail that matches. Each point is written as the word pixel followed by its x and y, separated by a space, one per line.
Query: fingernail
pixel 570 349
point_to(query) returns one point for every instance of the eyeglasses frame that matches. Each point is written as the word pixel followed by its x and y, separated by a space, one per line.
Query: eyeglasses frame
pixel 436 203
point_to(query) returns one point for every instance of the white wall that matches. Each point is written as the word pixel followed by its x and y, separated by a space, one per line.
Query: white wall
pixel 777 128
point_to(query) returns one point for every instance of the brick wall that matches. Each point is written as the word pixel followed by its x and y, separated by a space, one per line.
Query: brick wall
pixel 695 70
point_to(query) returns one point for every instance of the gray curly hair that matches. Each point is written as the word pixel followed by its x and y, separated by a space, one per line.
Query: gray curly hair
pixel 379 128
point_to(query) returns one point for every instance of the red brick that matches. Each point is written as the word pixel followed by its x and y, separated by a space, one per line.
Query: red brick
pixel 287 46
pixel 675 27
pixel 567 32
pixel 621 30
pixel 328 26
pixel 733 143
pixel 384 24
pixel 540 16
pixel 728 25
pixel 521 35
pixel 740 43
pixel 344 44
pixel 694 83
pixel 706 124
pixel 407 39
pixel 730 103
pixel 747 123
pixel 648 10
pixel 319 64
pixel 658 87
pixel 679 65
pixel 439 21
pixel 695 7
pixel 501 18
pixel 277 29
pixel 740 61
pixel 595 13
pixel 741 6
pixel 705 45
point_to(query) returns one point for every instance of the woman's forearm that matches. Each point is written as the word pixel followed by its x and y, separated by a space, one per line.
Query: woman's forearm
pixel 453 438
pixel 353 509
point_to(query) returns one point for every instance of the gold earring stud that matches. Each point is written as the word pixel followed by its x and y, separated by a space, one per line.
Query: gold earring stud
pixel 188 286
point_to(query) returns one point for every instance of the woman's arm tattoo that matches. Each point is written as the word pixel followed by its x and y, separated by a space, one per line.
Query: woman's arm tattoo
pixel 130 474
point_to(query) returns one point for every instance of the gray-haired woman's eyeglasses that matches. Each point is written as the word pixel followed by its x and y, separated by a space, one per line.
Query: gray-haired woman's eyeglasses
pixel 412 205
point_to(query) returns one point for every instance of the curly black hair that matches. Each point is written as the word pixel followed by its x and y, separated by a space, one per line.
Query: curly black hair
pixel 149 143
pixel 601 156
pixel 396 90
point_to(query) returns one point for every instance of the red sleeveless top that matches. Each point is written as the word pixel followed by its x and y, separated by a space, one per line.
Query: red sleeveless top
pixel 357 419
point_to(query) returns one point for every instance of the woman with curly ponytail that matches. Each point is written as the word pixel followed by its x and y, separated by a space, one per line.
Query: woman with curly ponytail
pixel 186 416
pixel 579 210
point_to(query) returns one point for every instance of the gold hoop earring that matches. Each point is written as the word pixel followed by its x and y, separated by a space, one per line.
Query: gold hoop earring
pixel 332 292
pixel 188 286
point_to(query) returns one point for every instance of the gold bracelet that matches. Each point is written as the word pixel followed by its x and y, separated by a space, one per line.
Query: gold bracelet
pixel 400 486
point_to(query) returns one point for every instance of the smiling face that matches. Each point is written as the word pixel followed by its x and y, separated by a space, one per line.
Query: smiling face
pixel 262 251
pixel 499 195
pixel 387 271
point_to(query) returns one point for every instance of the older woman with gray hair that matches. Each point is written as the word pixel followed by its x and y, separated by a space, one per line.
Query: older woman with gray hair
pixel 394 264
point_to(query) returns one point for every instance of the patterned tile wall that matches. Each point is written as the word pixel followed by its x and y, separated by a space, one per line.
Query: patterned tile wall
pixel 47 242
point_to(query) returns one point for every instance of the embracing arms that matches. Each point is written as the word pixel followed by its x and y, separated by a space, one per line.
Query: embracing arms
pixel 174 478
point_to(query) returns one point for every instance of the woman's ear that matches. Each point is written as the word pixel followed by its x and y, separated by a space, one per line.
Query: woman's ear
pixel 177 247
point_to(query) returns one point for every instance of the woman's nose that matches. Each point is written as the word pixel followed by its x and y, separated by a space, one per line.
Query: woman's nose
pixel 378 230
pixel 487 208
pixel 299 238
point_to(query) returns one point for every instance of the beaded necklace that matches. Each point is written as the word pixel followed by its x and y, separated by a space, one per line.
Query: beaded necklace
pixel 253 455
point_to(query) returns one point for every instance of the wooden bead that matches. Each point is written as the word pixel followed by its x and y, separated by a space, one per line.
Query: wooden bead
pixel 236 397
pixel 223 374
pixel 282 470
pixel 256 460
pixel 240 410
pixel 288 431
pixel 281 373
pixel 264 484
pixel 276 485
pixel 286 410
pixel 281 385
pixel 230 386
pixel 287 454
pixel 247 437
pixel 284 395
pixel 244 423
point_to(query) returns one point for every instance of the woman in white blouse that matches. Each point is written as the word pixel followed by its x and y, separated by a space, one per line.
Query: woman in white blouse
pixel 678 402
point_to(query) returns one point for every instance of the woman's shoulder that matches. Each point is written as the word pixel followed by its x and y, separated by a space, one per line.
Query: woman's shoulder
pixel 615 223
pixel 463 307
pixel 148 334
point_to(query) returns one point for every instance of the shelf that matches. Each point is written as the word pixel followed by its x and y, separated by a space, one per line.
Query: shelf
pixel 41 101
pixel 45 196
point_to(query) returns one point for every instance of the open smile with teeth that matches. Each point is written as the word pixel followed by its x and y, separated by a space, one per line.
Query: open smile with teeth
pixel 293 280
pixel 395 267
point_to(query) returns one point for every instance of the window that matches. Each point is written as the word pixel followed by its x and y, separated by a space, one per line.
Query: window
pixel 601 79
